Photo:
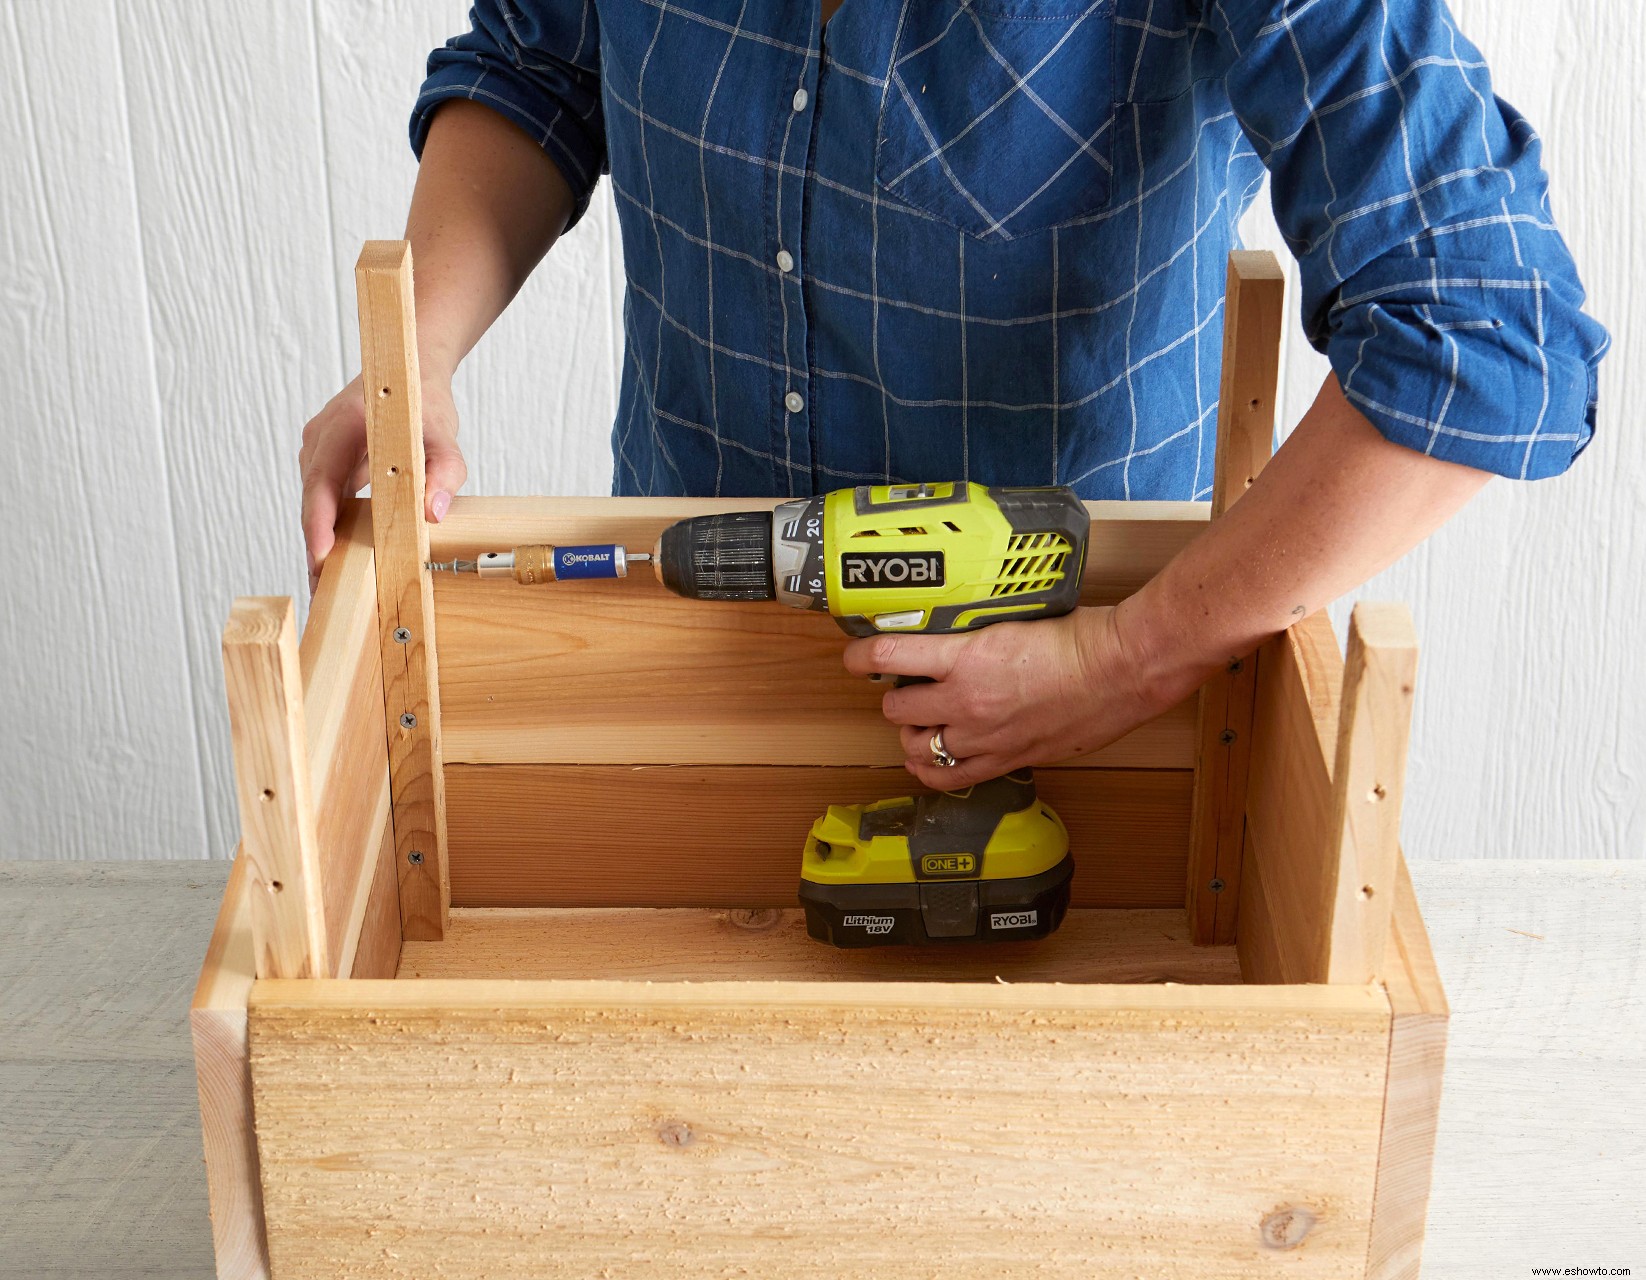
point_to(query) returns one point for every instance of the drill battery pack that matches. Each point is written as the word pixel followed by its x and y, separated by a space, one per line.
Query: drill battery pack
pixel 988 864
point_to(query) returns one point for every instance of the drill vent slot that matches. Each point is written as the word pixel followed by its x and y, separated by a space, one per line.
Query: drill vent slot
pixel 1033 562
pixel 918 532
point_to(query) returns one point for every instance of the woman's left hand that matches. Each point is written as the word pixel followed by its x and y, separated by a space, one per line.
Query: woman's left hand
pixel 1014 694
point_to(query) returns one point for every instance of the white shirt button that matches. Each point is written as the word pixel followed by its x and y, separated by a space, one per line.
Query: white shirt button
pixel 801 98
pixel 785 260
pixel 794 402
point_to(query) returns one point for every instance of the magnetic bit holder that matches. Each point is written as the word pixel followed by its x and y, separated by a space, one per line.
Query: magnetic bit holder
pixel 543 563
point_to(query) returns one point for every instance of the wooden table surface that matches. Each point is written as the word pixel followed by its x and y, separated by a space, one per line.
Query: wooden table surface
pixel 1542 1149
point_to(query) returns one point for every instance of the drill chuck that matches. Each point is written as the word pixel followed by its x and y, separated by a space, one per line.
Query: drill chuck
pixel 719 557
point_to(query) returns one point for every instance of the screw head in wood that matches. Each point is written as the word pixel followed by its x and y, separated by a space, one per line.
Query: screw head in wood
pixel 1227 736
pixel 1216 886
pixel 1234 666
pixel 408 721
pixel 415 857
pixel 402 635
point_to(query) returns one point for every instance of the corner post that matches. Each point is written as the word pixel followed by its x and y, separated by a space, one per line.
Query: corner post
pixel 1368 788
pixel 1253 313
pixel 405 597
pixel 278 833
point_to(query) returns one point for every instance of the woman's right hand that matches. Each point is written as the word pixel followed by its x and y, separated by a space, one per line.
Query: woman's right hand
pixel 333 462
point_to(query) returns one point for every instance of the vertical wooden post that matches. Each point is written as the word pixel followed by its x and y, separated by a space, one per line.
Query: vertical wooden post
pixel 1368 787
pixel 278 834
pixel 1253 312
pixel 405 598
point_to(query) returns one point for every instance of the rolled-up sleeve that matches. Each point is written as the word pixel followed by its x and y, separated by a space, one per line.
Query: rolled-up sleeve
pixel 1414 199
pixel 536 64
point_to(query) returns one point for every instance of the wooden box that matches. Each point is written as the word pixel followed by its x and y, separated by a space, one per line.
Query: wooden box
pixel 509 979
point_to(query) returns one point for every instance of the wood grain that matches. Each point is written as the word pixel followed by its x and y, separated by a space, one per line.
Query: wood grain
pixel 217 1026
pixel 1253 314
pixel 377 954
pixel 1368 789
pixel 730 836
pixel 343 711
pixel 815 1129
pixel 331 685
pixel 1288 805
pixel 1411 1107
pixel 623 672
pixel 1544 961
pixel 405 601
pixel 1130 542
pixel 706 945
pixel 279 835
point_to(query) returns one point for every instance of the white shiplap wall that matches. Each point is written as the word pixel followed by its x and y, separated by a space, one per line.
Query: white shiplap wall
pixel 183 190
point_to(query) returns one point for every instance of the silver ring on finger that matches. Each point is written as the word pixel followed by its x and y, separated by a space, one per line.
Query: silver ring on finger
pixel 940 754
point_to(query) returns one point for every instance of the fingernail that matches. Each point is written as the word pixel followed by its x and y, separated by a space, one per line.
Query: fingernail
pixel 440 504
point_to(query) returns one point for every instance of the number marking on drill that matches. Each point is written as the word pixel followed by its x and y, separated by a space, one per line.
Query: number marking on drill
pixel 892 569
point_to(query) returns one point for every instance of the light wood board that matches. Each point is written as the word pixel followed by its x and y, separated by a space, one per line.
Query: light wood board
pixel 704 945
pixel 1254 311
pixel 1362 854
pixel 1130 543
pixel 729 835
pixel 1411 1110
pixel 279 833
pixel 1545 964
pixel 1288 807
pixel 571 674
pixel 217 1024
pixel 393 390
pixel 815 1129
pixel 343 710
pixel 626 673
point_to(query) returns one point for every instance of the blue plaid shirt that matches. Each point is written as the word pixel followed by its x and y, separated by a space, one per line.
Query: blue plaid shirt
pixel 987 240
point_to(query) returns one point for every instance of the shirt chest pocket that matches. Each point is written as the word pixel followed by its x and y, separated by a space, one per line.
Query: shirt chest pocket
pixel 1000 115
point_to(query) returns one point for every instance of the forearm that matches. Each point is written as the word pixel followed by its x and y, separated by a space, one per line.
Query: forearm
pixel 488 205
pixel 1337 504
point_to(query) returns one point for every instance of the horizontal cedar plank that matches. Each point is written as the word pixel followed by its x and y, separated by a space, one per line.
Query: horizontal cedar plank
pixel 432 1000
pixel 690 944
pixel 731 835
pixel 624 673
pixel 1130 543
pixel 571 673
pixel 816 1129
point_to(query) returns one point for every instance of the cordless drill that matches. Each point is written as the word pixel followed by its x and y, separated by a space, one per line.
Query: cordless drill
pixel 987 863
pixel 932 558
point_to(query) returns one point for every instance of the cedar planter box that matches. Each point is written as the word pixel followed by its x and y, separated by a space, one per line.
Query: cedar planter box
pixel 509 979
